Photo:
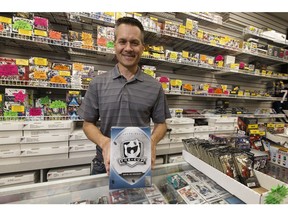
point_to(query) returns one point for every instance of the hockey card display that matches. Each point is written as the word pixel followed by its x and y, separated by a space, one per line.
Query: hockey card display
pixel 130 157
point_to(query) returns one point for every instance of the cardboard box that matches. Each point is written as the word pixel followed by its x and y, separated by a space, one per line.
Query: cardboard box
pixel 68 172
pixel 46 132
pixel 9 140
pixel 17 178
pixel 9 133
pixel 8 161
pixel 33 159
pixel 11 126
pixel 244 193
pixel 83 154
pixel 77 135
pixel 82 147
pixel 36 125
pixel 46 139
pixel 8 151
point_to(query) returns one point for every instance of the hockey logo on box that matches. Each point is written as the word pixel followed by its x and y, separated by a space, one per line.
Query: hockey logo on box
pixel 130 157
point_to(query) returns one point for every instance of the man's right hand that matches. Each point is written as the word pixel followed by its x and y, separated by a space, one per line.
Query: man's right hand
pixel 105 145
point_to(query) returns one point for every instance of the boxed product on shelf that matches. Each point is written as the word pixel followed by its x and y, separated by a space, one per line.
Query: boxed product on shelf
pixel 49 148
pixel 68 172
pixel 172 55
pixel 85 72
pixel 9 151
pixel 105 37
pixel 60 73
pixel 5 25
pixel 12 138
pixel 175 86
pixel 41 23
pixel 165 83
pixel 149 69
pixel 41 138
pixel 48 125
pixel 171 28
pixel 23 177
pixel 23 26
pixel 15 101
pixel 191 28
pixel 73 99
pixel 36 158
pixel 206 60
pixel 83 154
pixel 81 145
pixel 77 134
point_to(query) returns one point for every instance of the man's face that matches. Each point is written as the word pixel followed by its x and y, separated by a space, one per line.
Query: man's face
pixel 128 45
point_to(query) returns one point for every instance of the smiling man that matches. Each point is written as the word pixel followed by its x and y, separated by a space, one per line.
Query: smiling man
pixel 124 96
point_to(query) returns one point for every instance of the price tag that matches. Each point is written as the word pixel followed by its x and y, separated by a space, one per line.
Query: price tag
pixel 182 29
pixel 25 32
pixel 252 126
pixel 153 18
pixel 78 66
pixel 189 24
pixel 41 75
pixel 137 14
pixel 65 73
pixel 156 55
pixel 213 43
pixel 23 62
pixel 40 61
pixel 254 131
pixel 277 125
pixel 263 72
pixel 200 34
pixel 111 14
pixel 185 54
pixel 210 61
pixel 5 20
pixel 271 125
pixel 262 133
pixel 74 92
pixel 1 98
pixel 40 33
pixel 173 55
pixel 17 108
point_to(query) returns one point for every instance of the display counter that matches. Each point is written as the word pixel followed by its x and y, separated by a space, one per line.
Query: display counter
pixel 172 183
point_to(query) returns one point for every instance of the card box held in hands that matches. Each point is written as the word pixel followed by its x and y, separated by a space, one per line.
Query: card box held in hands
pixel 130 157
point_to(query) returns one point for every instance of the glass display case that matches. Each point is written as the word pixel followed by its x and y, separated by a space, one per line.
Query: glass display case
pixel 177 183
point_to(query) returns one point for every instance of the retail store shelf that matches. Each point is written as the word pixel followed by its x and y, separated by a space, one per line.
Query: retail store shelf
pixel 205 19
pixel 44 165
pixel 258 98
pixel 250 74
pixel 248 34
pixel 179 41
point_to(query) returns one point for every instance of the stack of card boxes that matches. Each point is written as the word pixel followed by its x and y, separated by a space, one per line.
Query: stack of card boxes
pixel 68 172
pixel 45 140
pixel 223 124
pixel 25 178
pixel 10 136
pixel 181 128
pixel 80 146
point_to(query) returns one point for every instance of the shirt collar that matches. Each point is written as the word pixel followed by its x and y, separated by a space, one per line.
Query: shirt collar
pixel 138 75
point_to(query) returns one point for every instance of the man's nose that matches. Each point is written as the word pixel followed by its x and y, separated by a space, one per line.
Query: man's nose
pixel 128 46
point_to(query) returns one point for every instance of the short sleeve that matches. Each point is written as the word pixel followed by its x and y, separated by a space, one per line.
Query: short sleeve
pixel 160 110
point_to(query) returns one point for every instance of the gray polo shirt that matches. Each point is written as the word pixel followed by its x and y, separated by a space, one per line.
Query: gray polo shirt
pixel 124 103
